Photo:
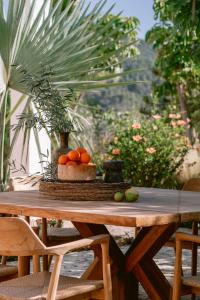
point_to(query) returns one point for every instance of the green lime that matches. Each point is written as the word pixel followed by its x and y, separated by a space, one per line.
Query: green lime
pixel 131 195
pixel 119 196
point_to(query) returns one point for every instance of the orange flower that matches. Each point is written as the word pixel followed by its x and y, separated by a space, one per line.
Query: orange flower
pixel 157 117
pixel 178 116
pixel 174 124
pixel 181 122
pixel 136 126
pixel 137 138
pixel 151 150
pixel 116 151
pixel 172 116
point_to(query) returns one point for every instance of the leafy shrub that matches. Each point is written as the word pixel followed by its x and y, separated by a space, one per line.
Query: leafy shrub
pixel 153 149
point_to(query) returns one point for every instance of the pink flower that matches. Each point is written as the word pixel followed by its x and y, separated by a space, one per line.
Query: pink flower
pixel 116 151
pixel 151 150
pixel 172 116
pixel 181 122
pixel 137 138
pixel 188 120
pixel 136 126
pixel 157 117
pixel 174 124
pixel 178 116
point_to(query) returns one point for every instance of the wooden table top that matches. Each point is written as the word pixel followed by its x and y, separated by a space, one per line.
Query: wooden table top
pixel 154 207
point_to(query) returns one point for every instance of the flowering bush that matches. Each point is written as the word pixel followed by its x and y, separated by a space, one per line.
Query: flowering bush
pixel 153 150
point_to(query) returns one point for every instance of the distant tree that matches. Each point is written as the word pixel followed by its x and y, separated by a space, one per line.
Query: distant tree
pixel 122 31
pixel 176 38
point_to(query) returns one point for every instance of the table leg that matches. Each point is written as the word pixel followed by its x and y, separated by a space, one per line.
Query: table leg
pixel 139 260
pixel 125 285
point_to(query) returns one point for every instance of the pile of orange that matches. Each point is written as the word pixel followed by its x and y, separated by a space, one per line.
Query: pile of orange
pixel 75 157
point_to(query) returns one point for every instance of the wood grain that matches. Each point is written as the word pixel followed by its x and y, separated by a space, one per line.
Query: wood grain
pixel 154 207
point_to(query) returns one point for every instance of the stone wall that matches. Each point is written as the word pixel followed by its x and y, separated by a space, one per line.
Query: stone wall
pixel 191 165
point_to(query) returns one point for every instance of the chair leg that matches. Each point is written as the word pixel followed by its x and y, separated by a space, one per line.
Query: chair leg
pixel 3 260
pixel 175 255
pixel 194 253
pixel 106 272
pixel 177 273
pixel 44 239
pixel 59 224
pixel 23 265
pixel 50 257
pixel 53 284
pixel 36 264
pixel 194 249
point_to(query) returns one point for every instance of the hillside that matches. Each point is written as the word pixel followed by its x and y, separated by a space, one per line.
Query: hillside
pixel 126 98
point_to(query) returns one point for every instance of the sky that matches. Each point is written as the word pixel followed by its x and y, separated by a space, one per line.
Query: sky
pixel 142 9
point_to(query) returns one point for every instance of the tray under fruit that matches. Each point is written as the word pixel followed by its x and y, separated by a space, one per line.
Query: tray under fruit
pixel 96 190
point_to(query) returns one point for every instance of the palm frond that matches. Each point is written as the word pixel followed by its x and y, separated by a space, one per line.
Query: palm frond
pixel 66 42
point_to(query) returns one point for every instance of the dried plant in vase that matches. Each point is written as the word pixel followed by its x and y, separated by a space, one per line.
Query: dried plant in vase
pixel 52 110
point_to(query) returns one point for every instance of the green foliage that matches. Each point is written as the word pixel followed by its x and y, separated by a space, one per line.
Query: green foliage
pixel 124 98
pixel 176 39
pixel 174 60
pixel 122 32
pixel 54 110
pixel 184 13
pixel 152 149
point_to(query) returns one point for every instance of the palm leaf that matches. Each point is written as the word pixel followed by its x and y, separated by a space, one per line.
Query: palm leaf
pixel 67 43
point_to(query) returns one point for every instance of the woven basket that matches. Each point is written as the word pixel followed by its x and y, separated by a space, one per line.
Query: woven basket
pixel 82 191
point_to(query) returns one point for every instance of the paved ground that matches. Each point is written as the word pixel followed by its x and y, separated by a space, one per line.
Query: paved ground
pixel 75 263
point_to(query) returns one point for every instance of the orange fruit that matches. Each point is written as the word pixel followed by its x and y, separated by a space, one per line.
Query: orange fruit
pixel 71 163
pixel 85 158
pixel 81 150
pixel 62 160
pixel 73 155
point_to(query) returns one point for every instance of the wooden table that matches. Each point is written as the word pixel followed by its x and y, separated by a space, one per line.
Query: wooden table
pixel 158 212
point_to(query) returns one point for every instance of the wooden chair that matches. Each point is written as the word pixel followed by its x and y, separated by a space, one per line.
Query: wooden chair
pixel 192 185
pixel 50 236
pixel 183 284
pixel 18 239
